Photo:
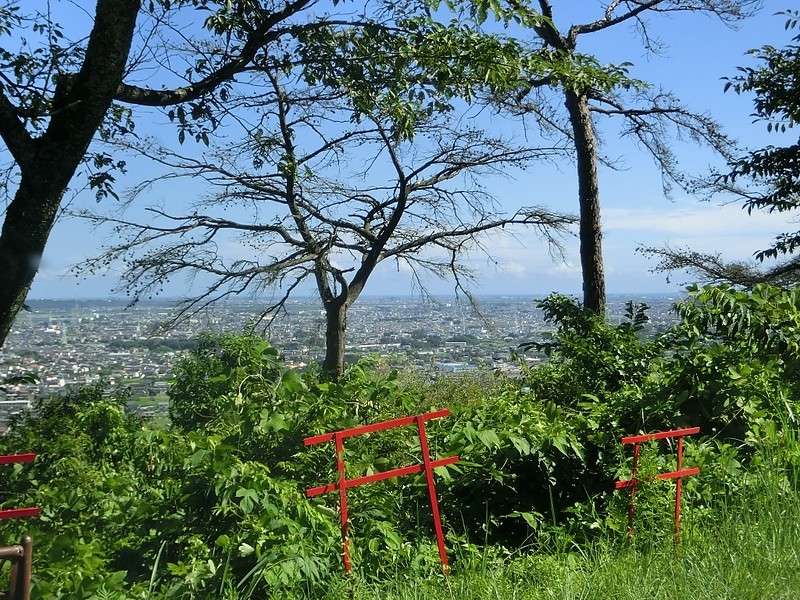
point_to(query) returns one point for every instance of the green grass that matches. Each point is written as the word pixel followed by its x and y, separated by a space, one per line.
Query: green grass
pixel 750 552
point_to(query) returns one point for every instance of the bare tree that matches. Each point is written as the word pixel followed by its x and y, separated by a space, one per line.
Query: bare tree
pixel 649 115
pixel 324 199
pixel 61 90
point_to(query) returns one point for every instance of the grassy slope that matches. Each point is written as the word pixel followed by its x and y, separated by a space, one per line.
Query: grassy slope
pixel 752 553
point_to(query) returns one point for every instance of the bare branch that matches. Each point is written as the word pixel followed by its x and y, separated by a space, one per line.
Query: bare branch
pixel 648 122
pixel 609 20
pixel 325 198
pixel 712 269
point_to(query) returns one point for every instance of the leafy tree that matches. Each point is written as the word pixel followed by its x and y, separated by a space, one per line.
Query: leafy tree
pixel 208 391
pixel 323 199
pixel 381 90
pixel 766 179
pixel 56 94
pixel 777 102
pixel 733 364
pixel 648 113
pixel 47 123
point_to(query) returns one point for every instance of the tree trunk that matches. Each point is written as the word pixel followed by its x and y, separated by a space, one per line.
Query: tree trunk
pixel 48 163
pixel 594 284
pixel 336 324
pixel 26 228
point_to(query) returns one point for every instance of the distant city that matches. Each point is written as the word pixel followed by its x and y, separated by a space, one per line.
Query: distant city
pixel 71 343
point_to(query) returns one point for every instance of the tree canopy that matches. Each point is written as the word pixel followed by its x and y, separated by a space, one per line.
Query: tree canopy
pixel 650 115
pixel 194 59
pixel 57 94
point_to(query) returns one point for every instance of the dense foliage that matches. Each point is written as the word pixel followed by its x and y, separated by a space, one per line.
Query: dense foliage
pixel 212 504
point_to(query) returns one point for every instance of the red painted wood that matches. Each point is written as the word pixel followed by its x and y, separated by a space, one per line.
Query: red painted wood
pixel 628 483
pixel 332 487
pixel 342 497
pixel 437 523
pixel 662 435
pixel 343 483
pixel 8 459
pixel 346 433
pixel 678 487
pixel 678 474
pixel 16 513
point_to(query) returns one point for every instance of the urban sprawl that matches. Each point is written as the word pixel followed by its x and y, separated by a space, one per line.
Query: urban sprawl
pixel 60 344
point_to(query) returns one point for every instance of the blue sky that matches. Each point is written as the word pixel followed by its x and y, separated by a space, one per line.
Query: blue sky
pixel 700 52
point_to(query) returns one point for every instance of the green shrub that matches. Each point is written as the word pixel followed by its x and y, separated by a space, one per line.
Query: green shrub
pixel 213 505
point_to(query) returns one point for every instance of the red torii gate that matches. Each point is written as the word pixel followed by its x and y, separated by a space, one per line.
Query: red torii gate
pixel 15 513
pixel 343 484
pixel 20 555
pixel 678 474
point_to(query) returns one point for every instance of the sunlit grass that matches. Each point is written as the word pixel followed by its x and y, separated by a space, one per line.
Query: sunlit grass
pixel 751 551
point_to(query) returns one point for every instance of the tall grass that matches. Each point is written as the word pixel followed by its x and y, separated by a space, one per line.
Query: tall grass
pixel 748 549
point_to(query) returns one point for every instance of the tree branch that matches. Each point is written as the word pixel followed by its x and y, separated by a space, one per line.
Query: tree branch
pixel 712 269
pixel 12 130
pixel 256 40
pixel 609 20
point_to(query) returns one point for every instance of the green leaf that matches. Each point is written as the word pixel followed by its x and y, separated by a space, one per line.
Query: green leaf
pixel 521 444
pixel 273 422
pixel 560 442
pixel 534 520
pixel 249 499
pixel 489 439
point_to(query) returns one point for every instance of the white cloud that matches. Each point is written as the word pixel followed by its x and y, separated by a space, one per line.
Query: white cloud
pixel 520 263
pixel 564 268
pixel 727 230
pixel 699 220
pixel 515 269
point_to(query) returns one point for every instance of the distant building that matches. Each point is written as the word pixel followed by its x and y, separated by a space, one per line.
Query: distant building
pixel 454 367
